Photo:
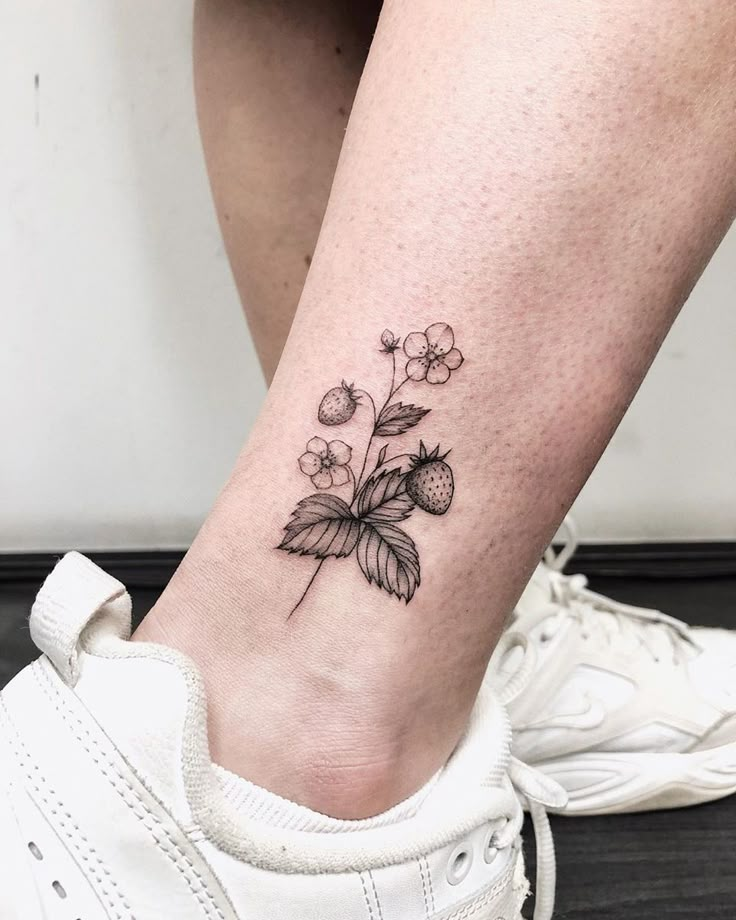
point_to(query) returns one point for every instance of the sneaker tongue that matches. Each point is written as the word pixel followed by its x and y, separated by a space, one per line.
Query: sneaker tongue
pixel 537 594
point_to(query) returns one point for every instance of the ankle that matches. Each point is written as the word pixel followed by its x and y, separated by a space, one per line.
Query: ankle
pixel 339 742
pixel 351 772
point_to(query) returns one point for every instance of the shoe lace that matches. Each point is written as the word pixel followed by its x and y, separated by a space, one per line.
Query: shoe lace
pixel 600 616
pixel 535 791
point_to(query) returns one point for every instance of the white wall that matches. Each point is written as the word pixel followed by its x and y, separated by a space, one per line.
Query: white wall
pixel 127 378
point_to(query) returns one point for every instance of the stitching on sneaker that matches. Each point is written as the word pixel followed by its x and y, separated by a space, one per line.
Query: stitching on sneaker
pixel 207 902
pixel 468 910
pixel 375 895
pixel 74 834
pixel 424 889
pixel 365 895
pixel 430 882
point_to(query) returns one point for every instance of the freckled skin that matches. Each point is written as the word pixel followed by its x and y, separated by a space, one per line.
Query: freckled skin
pixel 551 178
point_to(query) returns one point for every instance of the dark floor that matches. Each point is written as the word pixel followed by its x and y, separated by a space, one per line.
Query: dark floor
pixel 679 864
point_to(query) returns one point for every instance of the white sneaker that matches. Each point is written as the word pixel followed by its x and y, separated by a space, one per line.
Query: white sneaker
pixel 627 708
pixel 111 808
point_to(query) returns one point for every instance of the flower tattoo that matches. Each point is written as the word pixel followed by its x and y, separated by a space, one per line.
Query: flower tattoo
pixel 325 525
pixel 432 354
pixel 326 464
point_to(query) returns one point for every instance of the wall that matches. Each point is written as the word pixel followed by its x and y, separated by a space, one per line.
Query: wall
pixel 128 380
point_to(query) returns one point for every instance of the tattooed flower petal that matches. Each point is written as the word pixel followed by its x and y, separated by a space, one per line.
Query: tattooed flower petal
pixel 325 463
pixel 338 452
pixel 340 475
pixel 317 446
pixel 440 338
pixel 453 359
pixel 417 368
pixel 310 463
pixel 432 354
pixel 322 479
pixel 416 345
pixel 438 371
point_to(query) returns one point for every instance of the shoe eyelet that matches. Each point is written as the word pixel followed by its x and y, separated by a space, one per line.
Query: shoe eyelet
pixel 459 863
pixel 490 850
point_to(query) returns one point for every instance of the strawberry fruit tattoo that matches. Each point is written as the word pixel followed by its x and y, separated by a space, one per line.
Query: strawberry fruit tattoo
pixel 365 522
pixel 430 484
pixel 338 405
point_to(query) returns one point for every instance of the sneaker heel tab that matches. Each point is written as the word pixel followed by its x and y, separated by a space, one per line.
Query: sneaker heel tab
pixel 74 592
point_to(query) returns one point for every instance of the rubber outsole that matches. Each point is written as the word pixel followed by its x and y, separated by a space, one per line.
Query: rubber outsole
pixel 617 783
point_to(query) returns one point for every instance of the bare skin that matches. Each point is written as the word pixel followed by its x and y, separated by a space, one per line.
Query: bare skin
pixel 275 81
pixel 550 183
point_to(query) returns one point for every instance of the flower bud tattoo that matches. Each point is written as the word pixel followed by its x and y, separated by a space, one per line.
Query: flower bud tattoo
pixel 326 525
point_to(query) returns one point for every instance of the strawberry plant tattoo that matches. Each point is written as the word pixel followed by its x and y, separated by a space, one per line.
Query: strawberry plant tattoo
pixel 324 525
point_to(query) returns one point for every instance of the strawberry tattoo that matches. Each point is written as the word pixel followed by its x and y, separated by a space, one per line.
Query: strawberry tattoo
pixel 359 515
pixel 338 405
pixel 430 484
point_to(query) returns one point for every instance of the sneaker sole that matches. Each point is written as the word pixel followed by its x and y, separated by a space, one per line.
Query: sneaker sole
pixel 599 784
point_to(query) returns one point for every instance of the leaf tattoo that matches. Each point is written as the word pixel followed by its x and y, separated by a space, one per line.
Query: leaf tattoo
pixel 385 499
pixel 389 558
pixel 321 525
pixel 325 525
pixel 398 418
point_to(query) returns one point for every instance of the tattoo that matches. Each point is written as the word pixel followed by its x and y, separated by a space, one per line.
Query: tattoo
pixel 325 525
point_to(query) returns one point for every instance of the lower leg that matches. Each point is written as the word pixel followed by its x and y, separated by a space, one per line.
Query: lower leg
pixel 275 83
pixel 493 178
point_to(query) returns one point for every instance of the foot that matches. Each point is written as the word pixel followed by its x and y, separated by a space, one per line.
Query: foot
pixel 627 708
pixel 110 806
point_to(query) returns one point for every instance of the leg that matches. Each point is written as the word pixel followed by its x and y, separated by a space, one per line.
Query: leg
pixel 275 83
pixel 493 178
